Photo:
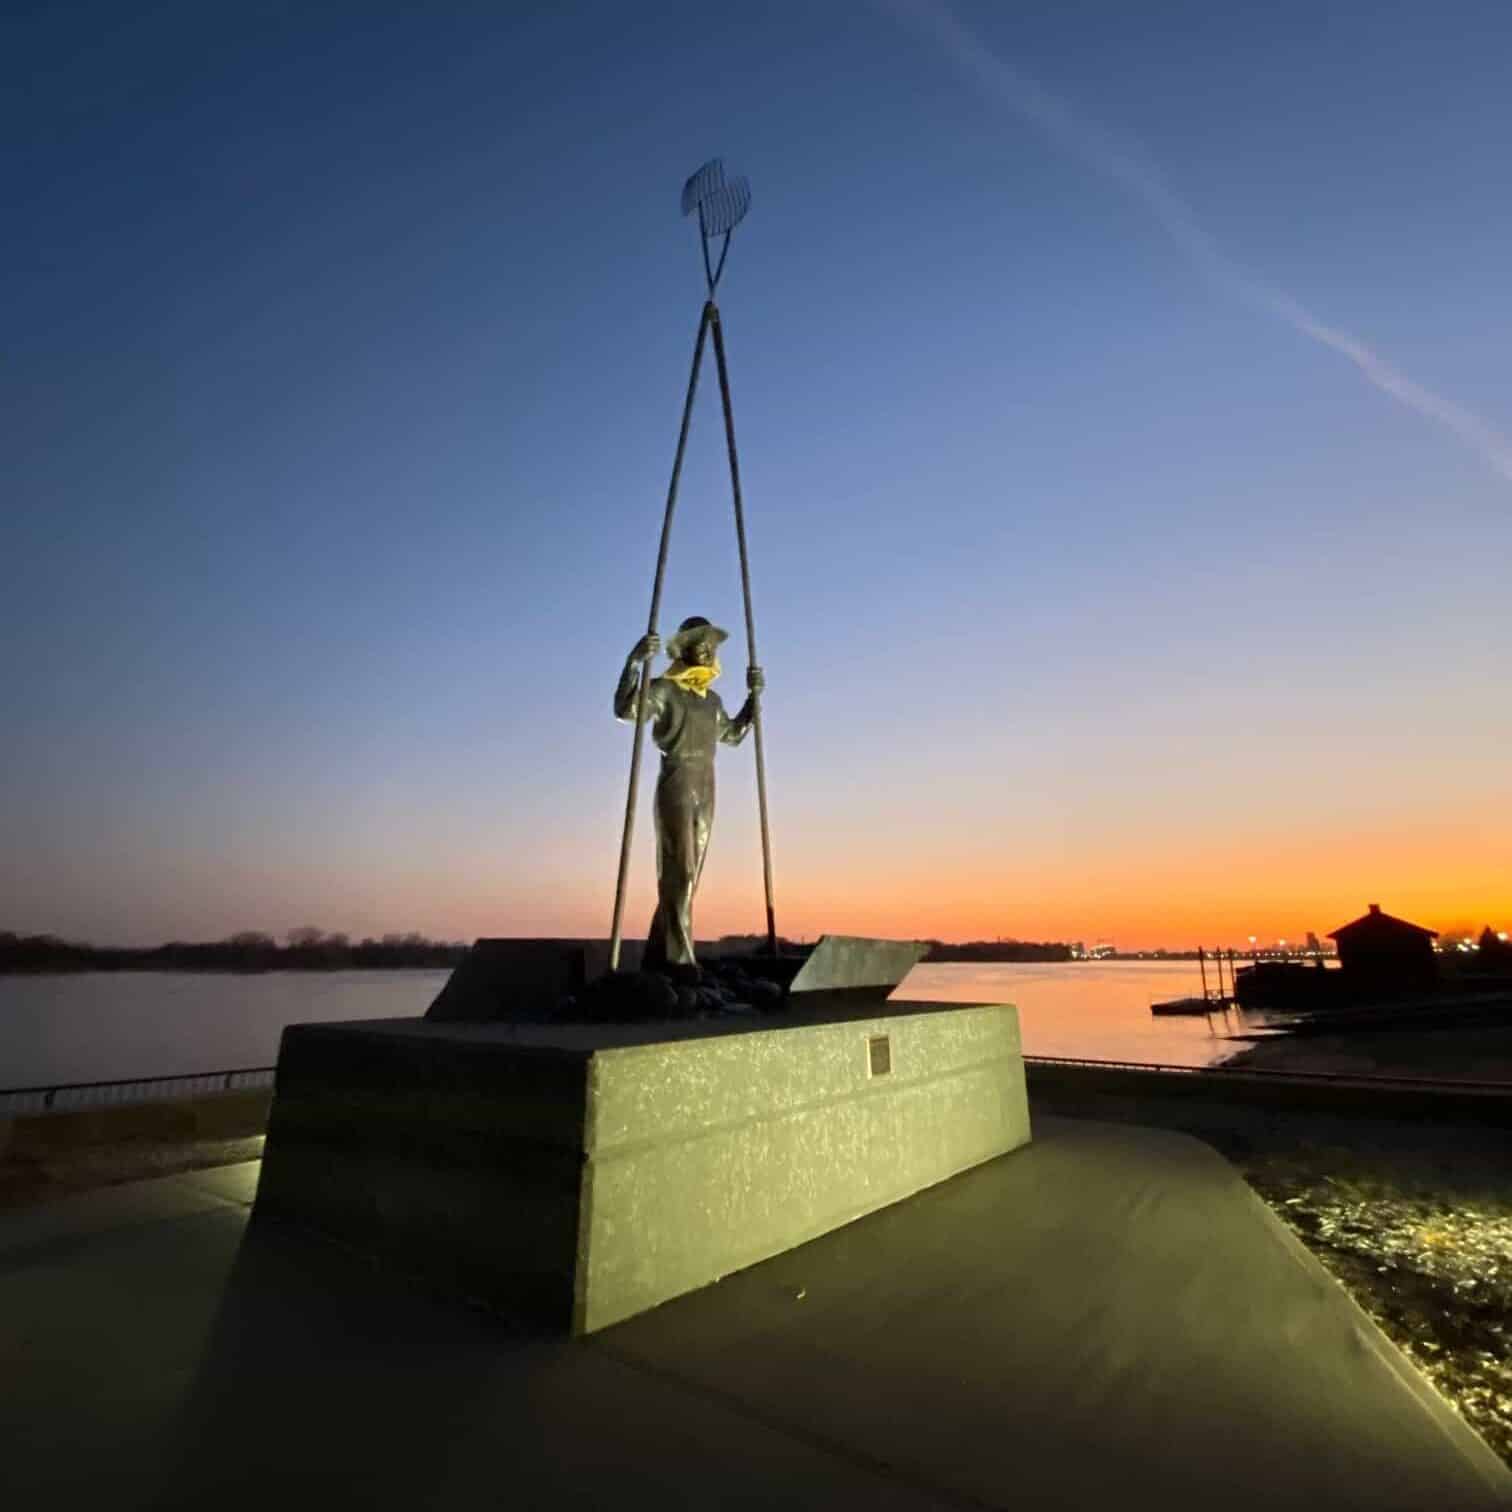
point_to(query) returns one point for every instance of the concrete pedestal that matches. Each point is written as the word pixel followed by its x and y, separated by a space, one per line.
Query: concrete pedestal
pixel 581 1174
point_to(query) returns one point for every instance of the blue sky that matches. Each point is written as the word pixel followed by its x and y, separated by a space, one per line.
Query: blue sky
pixel 345 352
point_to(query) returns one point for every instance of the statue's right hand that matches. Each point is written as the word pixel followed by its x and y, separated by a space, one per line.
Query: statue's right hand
pixel 645 648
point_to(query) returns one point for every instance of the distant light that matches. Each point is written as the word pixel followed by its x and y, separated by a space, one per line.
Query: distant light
pixel 1501 934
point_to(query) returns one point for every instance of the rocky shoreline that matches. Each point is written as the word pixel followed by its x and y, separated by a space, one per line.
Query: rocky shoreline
pixel 1424 1245
pixel 1479 1053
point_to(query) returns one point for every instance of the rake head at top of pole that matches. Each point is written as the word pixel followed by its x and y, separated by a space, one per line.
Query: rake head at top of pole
pixel 721 205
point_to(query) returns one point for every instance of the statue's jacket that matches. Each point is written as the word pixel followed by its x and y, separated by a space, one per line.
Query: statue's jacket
pixel 685 727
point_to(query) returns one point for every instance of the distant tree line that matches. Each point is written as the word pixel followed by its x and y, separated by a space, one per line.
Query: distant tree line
pixel 306 949
pixel 973 950
pixel 999 950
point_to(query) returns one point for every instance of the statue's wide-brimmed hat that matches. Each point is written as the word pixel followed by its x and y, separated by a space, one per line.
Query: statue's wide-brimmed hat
pixel 692 630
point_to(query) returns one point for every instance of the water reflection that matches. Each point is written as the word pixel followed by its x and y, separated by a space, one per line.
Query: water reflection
pixel 1094 1010
pixel 115 1025
pixel 98 1026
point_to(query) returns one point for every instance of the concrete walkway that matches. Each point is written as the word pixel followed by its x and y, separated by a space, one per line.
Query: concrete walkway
pixel 1106 1318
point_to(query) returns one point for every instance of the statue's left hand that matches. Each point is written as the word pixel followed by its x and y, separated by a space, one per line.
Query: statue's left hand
pixel 755 679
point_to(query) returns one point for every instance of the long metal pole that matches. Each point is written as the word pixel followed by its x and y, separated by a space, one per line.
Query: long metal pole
pixel 750 619
pixel 710 315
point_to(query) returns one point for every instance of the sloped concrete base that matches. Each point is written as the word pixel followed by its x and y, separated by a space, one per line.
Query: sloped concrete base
pixel 521 980
pixel 581 1174
pixel 524 980
pixel 857 963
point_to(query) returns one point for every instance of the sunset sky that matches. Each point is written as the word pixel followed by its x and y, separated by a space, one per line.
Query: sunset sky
pixel 1123 395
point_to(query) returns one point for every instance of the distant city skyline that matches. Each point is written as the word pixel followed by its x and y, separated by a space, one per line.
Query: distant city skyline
pixel 1122 403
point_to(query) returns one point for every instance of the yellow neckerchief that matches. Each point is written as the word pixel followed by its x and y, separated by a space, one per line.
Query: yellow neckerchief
pixel 693 679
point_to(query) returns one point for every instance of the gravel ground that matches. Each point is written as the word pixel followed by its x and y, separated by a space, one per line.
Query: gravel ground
pixel 1481 1052
pixel 1420 1232
pixel 1424 1245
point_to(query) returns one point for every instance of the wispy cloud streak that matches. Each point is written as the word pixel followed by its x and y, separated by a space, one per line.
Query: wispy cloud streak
pixel 1131 169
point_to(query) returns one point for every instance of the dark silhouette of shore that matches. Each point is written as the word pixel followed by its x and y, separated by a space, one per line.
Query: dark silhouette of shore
pixel 249 951
pixel 998 950
pixel 312 950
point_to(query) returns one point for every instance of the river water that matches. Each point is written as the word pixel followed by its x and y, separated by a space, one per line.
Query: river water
pixel 103 1026
pixel 1092 1010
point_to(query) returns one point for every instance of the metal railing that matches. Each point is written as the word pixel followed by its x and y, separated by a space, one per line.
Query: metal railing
pixel 1264 1073
pixel 72 1096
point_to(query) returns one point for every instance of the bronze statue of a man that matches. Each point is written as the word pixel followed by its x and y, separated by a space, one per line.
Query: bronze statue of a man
pixel 688 722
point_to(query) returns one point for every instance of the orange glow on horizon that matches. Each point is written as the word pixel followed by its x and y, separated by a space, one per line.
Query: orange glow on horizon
pixel 1218 892
pixel 901 876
